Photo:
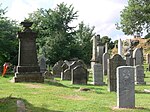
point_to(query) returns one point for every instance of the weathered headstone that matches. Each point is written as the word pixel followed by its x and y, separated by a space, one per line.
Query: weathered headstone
pixel 64 67
pixel 105 58
pixel 42 64
pixel 57 69
pixel 139 74
pixel 28 69
pixel 98 74
pixel 113 63
pixel 125 87
pixel 79 75
pixel 100 52
pixel 66 75
pixel 138 56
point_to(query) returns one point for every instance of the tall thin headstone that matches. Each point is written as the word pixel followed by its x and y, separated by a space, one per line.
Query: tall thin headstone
pixel 94 51
pixel 28 69
pixel 120 47
pixel 125 87
pixel 98 74
pixel 113 63
pixel 105 58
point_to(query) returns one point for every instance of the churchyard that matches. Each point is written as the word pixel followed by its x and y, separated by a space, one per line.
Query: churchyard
pixel 62 96
pixel 113 82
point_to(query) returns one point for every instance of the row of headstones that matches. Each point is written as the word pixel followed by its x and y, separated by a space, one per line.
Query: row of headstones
pixel 75 71
pixel 136 59
pixel 117 61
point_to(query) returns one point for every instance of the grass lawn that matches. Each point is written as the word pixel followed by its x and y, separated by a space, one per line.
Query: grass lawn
pixel 61 96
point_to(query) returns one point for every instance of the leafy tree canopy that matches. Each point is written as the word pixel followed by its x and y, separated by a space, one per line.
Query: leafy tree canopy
pixel 57 38
pixel 135 18
pixel 8 41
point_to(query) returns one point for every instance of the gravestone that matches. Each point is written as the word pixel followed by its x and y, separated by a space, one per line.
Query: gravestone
pixel 48 75
pixel 139 74
pixel 100 52
pixel 113 63
pixel 64 67
pixel 57 69
pixel 42 64
pixel 66 75
pixel 98 74
pixel 138 56
pixel 105 58
pixel 148 61
pixel 125 87
pixel 28 69
pixel 79 75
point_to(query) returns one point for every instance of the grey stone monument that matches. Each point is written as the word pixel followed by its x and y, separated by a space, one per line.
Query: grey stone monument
pixel 98 74
pixel 138 56
pixel 105 58
pixel 100 52
pixel 94 51
pixel 64 67
pixel 139 74
pixel 113 63
pixel 57 69
pixel 79 75
pixel 125 87
pixel 42 63
pixel 66 75
pixel 28 69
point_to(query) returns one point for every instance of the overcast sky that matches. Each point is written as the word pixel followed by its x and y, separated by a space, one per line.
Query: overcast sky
pixel 103 14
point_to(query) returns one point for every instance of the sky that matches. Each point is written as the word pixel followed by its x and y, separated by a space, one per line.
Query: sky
pixel 103 14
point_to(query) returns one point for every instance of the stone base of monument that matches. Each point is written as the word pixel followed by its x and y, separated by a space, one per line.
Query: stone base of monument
pixel 28 77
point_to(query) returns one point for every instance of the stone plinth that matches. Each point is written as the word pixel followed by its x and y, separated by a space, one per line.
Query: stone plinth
pixel 28 69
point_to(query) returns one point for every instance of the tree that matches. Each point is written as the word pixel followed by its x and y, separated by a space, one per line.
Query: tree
pixel 8 41
pixel 106 39
pixel 57 39
pixel 55 35
pixel 135 18
pixel 83 36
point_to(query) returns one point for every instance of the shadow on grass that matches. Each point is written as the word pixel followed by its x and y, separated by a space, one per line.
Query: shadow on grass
pixel 9 104
pixel 59 83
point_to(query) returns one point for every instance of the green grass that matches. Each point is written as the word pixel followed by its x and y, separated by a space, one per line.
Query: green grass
pixel 61 96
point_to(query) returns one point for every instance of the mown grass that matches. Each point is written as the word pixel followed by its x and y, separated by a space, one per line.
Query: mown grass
pixel 61 96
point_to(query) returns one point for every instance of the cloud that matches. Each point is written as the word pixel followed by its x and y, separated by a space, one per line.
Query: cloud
pixel 103 14
pixel 19 9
